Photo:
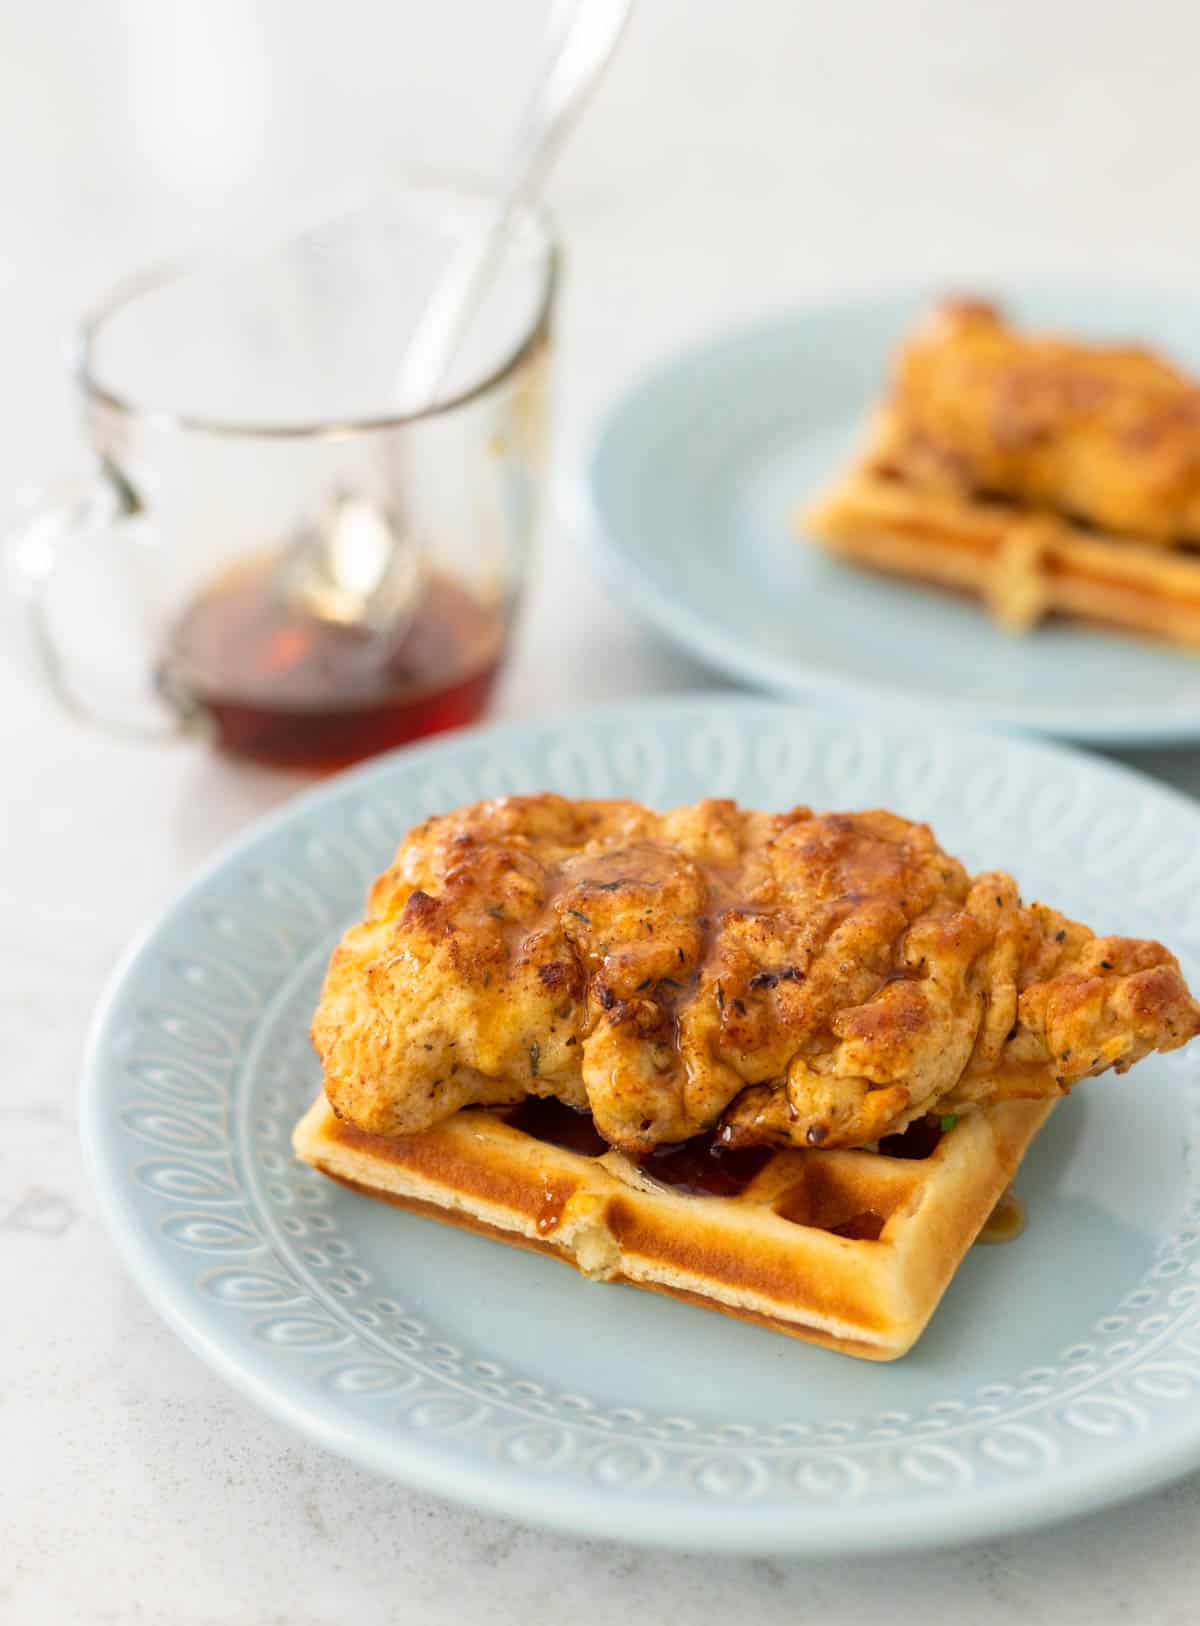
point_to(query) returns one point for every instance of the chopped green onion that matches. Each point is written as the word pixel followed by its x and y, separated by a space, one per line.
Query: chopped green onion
pixel 949 1119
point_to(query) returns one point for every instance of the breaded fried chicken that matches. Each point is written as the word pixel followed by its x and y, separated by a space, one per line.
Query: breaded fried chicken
pixel 793 978
pixel 1106 434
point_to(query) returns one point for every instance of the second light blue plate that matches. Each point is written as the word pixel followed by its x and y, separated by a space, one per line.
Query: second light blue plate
pixel 695 473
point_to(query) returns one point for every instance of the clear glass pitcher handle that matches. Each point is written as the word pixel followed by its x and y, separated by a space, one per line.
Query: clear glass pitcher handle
pixel 84 559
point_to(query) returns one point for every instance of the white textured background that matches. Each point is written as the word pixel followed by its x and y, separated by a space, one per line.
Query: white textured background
pixel 741 155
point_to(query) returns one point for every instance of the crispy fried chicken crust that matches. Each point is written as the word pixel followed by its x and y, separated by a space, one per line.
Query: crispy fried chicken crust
pixel 1107 434
pixel 791 978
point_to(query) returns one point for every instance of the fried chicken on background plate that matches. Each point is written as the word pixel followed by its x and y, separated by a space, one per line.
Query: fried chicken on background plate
pixel 1103 433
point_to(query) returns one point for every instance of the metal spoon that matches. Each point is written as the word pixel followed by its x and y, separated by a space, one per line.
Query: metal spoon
pixel 346 568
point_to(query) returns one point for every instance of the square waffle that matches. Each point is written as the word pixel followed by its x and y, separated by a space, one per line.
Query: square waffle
pixel 1025 565
pixel 849 1249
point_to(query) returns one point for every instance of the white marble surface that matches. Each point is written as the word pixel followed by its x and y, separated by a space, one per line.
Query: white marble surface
pixel 740 157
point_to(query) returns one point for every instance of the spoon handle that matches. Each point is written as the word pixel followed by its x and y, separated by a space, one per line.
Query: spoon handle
pixel 576 57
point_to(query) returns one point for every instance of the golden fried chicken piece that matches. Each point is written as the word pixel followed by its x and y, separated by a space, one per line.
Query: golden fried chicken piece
pixel 1106 434
pixel 818 979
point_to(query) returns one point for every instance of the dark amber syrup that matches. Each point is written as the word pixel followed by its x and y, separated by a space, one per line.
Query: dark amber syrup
pixel 287 687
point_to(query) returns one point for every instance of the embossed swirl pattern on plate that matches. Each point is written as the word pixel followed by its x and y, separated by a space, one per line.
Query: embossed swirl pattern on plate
pixel 211 1080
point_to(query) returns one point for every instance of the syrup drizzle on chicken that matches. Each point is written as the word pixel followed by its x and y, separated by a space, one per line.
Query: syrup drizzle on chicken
pixel 797 978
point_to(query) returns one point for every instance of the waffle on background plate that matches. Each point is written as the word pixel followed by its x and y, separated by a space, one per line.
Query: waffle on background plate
pixel 782 1065
pixel 1047 477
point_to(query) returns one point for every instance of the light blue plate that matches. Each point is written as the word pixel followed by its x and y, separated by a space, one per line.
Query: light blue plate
pixel 1060 1373
pixel 696 471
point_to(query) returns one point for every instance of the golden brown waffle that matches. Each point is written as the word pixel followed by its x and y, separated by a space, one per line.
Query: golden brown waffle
pixel 848 1249
pixel 1025 564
